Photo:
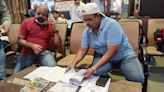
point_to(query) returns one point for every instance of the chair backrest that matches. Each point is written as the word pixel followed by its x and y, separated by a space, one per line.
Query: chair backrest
pixel 76 37
pixel 139 20
pixel 153 25
pixel 62 28
pixel 13 36
pixel 141 30
pixel 131 29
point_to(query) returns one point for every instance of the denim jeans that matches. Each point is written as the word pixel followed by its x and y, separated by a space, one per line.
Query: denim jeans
pixel 2 61
pixel 45 59
pixel 129 65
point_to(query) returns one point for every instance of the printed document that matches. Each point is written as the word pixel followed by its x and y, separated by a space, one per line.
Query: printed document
pixel 67 82
pixel 62 87
pixel 92 87
pixel 48 73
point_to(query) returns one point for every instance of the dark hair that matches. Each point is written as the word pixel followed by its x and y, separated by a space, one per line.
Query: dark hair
pixel 54 11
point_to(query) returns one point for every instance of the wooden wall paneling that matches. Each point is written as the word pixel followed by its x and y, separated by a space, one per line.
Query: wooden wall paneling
pixel 23 8
pixel 17 8
pixel 14 13
pixel 8 3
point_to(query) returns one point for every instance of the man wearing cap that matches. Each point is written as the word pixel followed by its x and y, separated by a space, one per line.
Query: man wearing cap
pixel 106 36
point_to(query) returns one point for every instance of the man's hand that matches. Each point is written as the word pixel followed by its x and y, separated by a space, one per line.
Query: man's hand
pixel 4 29
pixel 36 48
pixel 88 73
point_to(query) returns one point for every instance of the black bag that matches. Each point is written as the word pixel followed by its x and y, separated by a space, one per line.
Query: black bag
pixel 159 39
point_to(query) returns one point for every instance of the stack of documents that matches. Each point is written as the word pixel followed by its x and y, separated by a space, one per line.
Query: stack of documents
pixel 67 82
pixel 74 78
pixel 53 74
pixel 36 85
pixel 62 87
pixel 92 87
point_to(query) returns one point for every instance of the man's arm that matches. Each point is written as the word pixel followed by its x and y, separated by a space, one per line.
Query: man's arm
pixel 35 47
pixel 57 39
pixel 112 49
pixel 79 56
pixel 71 10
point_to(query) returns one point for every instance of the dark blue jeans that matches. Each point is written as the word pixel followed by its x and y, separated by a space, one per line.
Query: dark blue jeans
pixel 129 65
pixel 2 60
pixel 45 59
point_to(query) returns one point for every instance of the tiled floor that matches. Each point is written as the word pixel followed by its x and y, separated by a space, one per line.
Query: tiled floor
pixel 156 76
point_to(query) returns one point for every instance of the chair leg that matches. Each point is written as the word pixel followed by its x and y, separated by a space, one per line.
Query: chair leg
pixel 144 88
pixel 150 59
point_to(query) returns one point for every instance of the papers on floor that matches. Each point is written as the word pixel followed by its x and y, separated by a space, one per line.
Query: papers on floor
pixel 57 73
pixel 36 85
pixel 67 82
pixel 53 74
pixel 62 87
pixel 18 81
pixel 92 87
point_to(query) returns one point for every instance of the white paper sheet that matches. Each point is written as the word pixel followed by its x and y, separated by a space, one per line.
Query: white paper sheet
pixel 53 74
pixel 92 87
pixel 57 74
pixel 61 87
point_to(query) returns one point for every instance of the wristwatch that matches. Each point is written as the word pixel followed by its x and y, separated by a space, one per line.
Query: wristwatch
pixel 94 69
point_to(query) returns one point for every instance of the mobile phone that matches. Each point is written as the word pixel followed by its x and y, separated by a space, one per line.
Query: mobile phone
pixel 102 81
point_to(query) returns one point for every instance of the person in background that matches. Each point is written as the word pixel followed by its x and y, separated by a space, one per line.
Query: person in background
pixel 32 12
pixel 111 46
pixel 34 37
pixel 58 18
pixel 5 21
pixel 74 11
pixel 75 14
pixel 62 16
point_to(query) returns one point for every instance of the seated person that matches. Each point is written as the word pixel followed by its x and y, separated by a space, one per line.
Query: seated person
pixel 5 21
pixel 34 36
pixel 74 11
pixel 75 15
pixel 57 16
pixel 60 18
pixel 111 45
pixel 32 12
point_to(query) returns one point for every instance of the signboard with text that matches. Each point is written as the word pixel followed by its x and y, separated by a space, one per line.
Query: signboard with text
pixel 63 5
